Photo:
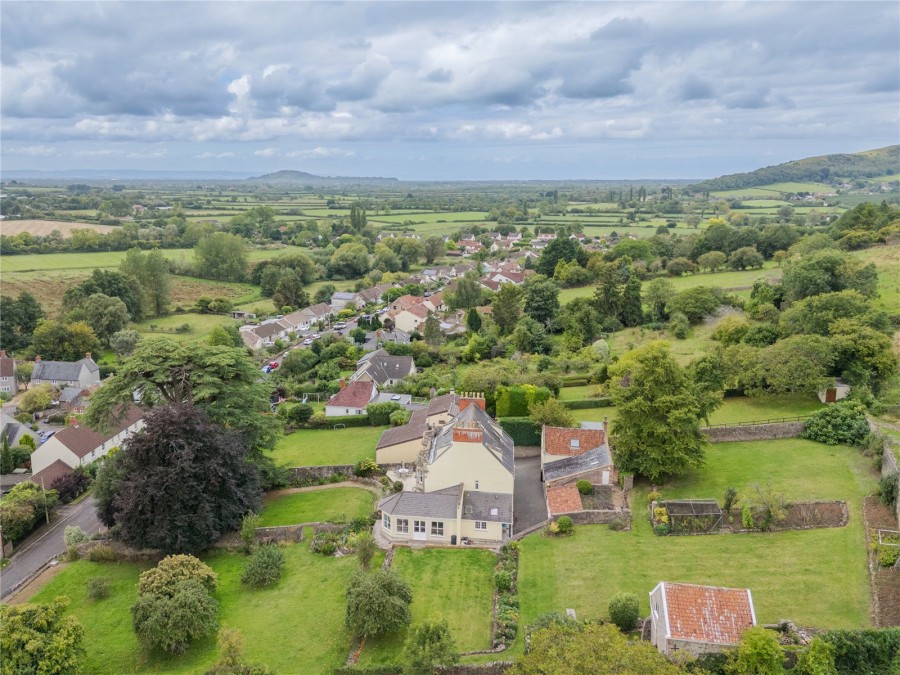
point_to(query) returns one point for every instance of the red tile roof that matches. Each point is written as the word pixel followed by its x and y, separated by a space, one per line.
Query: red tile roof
pixel 7 366
pixel 354 395
pixel 81 439
pixel 708 613
pixel 564 499
pixel 49 474
pixel 558 440
pixel 406 301
pixel 420 311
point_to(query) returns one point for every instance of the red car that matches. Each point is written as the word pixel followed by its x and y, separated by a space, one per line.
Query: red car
pixel 273 365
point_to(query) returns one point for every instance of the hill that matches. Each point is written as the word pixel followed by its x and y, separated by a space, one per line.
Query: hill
pixel 825 169
pixel 303 178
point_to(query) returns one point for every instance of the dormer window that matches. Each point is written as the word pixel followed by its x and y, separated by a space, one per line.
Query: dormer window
pixel 575 443
pixel 495 511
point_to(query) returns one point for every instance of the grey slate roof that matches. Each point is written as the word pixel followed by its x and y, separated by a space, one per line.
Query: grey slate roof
pixel 70 394
pixel 412 430
pixel 442 404
pixel 62 370
pixel 478 505
pixel 571 466
pixel 439 504
pixel 382 367
pixel 499 445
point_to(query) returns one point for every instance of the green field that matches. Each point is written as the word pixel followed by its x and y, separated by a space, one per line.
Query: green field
pixel 295 627
pixel 887 260
pixel 201 325
pixel 777 188
pixel 455 585
pixel 332 505
pixel 311 447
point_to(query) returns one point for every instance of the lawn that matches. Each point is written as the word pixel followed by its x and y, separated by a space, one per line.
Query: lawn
pixel 756 409
pixel 201 325
pixel 578 393
pixel 789 573
pixel 451 584
pixel 887 260
pixel 684 351
pixel 308 447
pixel 278 624
pixel 332 505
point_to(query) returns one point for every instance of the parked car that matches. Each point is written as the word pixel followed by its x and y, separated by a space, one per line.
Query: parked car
pixel 273 365
pixel 340 324
pixel 308 341
pixel 266 369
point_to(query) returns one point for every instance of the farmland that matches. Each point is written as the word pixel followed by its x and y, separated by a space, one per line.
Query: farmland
pixel 42 228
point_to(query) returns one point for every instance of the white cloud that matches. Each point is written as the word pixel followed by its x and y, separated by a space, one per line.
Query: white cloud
pixel 32 151
pixel 266 152
pixel 321 153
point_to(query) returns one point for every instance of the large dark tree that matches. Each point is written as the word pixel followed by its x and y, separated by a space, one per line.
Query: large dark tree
pixel 561 248
pixel 111 283
pixel 18 319
pixel 541 300
pixel 185 482
pixel 618 293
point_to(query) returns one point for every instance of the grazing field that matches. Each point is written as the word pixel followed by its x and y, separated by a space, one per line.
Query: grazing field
pixel 684 351
pixel 201 325
pixel 776 188
pixel 787 572
pixel 279 632
pixel 332 505
pixel 42 228
pixel 451 584
pixel 313 447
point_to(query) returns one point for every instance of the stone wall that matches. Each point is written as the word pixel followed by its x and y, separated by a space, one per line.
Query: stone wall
pixel 754 432
pixel 313 473
pixel 597 517
pixel 890 465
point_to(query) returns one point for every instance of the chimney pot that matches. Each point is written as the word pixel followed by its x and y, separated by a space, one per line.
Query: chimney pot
pixel 87 355
pixel 3 353
pixel 37 359
pixel 343 383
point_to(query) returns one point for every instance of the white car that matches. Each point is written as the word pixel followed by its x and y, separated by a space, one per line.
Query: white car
pixel 340 324
pixel 308 341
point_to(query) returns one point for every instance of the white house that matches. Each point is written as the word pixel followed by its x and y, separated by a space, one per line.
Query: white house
pixel 83 374
pixel 352 399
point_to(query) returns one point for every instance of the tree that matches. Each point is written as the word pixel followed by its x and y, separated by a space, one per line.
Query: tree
pixel 816 659
pixel 57 341
pixel 36 399
pixel 151 271
pixel 827 271
pixel 40 638
pixel 796 365
pixel 350 261
pixel 222 256
pixel 473 320
pixel 842 423
pixel 123 342
pixel 696 303
pixel 386 259
pixel 7 463
pixel 357 217
pixel 746 257
pixel 434 249
pixel 817 313
pixel 541 300
pixel 105 315
pixel 378 603
pixel 256 222
pixel 224 336
pixel 618 293
pixel 712 261
pixel 657 432
pixel 530 337
pixel 222 381
pixel 111 470
pixel 551 413
pixel 22 507
pixel 18 319
pixel 408 250
pixel 324 293
pixel 507 308
pixel 24 371
pixel 600 649
pixel 680 266
pixel 862 354
pixel 113 283
pixel 468 292
pixel 758 653
pixel 428 646
pixel 289 292
pixel 580 320
pixel 561 248
pixel 185 482
pixel 432 331
pixel 658 294
pixel 624 610
pixel 173 619
pixel 731 329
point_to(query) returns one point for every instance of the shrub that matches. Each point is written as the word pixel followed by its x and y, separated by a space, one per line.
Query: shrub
pixel 397 486
pixel 661 529
pixel 888 487
pixel 617 524
pixel 816 659
pixel 74 535
pixel 758 653
pixel 325 543
pixel 503 580
pixel 842 422
pixel 523 430
pixel 172 620
pixel 102 553
pixel 660 515
pixel 264 567
pixel 378 603
pixel 730 496
pixel 585 487
pixel 584 404
pixel 98 588
pixel 364 545
pixel 624 611
pixel 679 326
pixel 249 523
pixel 747 517
pixel 886 555
pixel 173 569
pixel 365 467
pixel 380 413
pixel 70 485
pixel 868 650
pixel 565 525
pixel 653 497
pixel 429 645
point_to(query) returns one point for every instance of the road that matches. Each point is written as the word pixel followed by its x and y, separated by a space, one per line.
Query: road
pixel 46 544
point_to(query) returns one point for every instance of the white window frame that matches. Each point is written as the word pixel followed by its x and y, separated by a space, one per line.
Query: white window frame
pixel 386 521
pixel 480 524
pixel 402 526
pixel 419 526
pixel 437 528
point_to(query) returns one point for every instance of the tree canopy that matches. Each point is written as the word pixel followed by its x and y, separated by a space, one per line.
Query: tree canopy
pixel 40 638
pixel 222 256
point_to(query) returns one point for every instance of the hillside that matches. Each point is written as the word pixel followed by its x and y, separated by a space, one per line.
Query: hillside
pixel 824 169
pixel 304 178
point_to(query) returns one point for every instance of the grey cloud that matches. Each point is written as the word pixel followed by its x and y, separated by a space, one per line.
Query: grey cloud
pixel 439 75
pixel 619 29
pixel 695 89
pixel 888 80
pixel 363 80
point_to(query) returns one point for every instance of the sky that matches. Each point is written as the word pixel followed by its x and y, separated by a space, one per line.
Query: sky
pixel 445 91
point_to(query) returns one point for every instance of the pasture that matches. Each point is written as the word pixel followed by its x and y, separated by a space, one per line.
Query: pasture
pixel 42 228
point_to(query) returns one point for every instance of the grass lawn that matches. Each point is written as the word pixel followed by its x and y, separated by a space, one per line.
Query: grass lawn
pixel 887 260
pixel 309 447
pixel 333 505
pixel 279 628
pixel 579 393
pixel 790 573
pixel 697 342
pixel 201 325
pixel 451 584
pixel 755 409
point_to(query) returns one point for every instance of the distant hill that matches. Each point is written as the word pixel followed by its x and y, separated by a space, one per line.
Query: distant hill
pixel 825 169
pixel 303 178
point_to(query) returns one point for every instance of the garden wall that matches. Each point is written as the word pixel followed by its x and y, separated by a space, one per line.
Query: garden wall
pixel 755 432
pixel 311 473
pixel 889 465
pixel 597 517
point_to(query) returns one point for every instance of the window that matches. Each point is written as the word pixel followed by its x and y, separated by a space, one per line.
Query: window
pixel 419 527
pixel 476 484
pixel 575 443
pixel 480 524
pixel 437 528
pixel 386 521
pixel 402 525
pixel 495 511
pixel 347 410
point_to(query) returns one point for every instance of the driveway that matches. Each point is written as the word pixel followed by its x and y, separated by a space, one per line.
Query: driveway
pixel 529 504
pixel 46 544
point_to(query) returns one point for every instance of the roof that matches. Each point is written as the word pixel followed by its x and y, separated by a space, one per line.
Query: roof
pixel 707 613
pixel 343 295
pixel 269 329
pixel 7 366
pixel 492 506
pixel 70 394
pixel 62 370
pixel 82 440
pixel 49 474
pixel 493 438
pixel 354 395
pixel 571 466
pixel 411 431
pixel 441 404
pixel 564 499
pixel 382 367
pixel 438 504
pixel 317 310
pixel 406 301
pixel 420 311
pixel 568 441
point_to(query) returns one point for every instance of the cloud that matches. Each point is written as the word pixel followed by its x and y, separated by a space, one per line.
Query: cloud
pixel 321 153
pixel 266 152
pixel 32 151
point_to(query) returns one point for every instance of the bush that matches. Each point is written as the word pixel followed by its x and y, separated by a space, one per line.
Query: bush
pixel 503 580
pixel 264 567
pixel 565 525
pixel 320 421
pixel 679 326
pixel 98 588
pixel 617 524
pixel 248 530
pixel 888 488
pixel 843 422
pixel 380 413
pixel 325 543
pixel 363 544
pixel 885 554
pixel 585 487
pixel 747 517
pixel 653 497
pixel 70 485
pixel 365 468
pixel 74 535
pixel 661 529
pixel 397 486
pixel 172 620
pixel 584 404
pixel 522 430
pixel 730 496
pixel 173 569
pixel 102 553
pixel 868 650
pixel 399 417
pixel 378 603
pixel 624 611
pixel 816 659
pixel 429 645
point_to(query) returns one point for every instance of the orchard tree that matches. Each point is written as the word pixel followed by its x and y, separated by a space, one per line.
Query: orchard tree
pixel 507 307
pixel 378 603
pixel 657 432
pixel 185 481
pixel 41 638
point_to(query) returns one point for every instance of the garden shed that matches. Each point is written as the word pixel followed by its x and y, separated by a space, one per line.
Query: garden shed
pixel 693 516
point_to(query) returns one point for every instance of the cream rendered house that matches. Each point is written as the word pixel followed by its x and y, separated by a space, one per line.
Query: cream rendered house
pixel 464 484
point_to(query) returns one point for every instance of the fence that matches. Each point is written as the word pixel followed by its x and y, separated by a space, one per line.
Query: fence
pixel 756 423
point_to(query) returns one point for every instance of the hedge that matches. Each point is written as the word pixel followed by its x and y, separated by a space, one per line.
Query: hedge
pixel 369 670
pixel 865 651
pixel 575 380
pixel 347 420
pixel 523 430
pixel 584 403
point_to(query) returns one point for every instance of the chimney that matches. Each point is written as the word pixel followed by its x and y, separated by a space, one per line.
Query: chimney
pixel 471 398
pixel 2 353
pixel 343 383
pixel 37 359
pixel 87 355
pixel 473 434
pixel 73 421
pixel 605 426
